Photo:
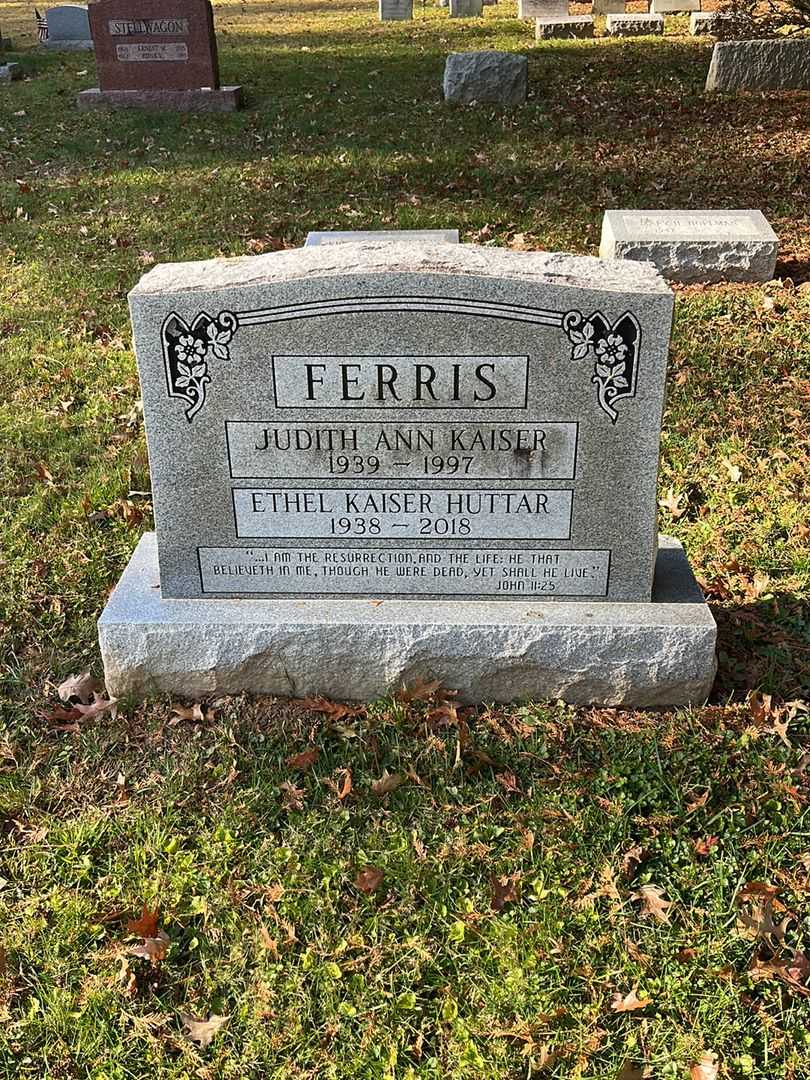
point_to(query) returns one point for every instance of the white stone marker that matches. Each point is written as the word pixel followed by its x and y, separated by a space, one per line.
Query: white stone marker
pixel 693 245
pixel 673 7
pixel 572 26
pixel 395 10
pixel 466 9
pixel 634 24
pixel 346 442
pixel 760 65
pixel 542 9
pixel 399 236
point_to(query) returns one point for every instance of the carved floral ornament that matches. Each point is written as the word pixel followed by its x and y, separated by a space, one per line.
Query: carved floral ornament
pixel 191 351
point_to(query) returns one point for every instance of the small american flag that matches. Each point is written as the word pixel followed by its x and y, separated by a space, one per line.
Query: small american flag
pixel 42 26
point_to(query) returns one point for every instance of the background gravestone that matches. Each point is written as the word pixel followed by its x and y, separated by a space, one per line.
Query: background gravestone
pixel 156 53
pixel 395 10
pixel 68 28
pixel 406 422
pixel 760 65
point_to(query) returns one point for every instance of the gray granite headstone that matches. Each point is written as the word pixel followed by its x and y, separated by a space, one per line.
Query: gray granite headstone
pixel 760 65
pixel 395 10
pixel 572 26
pixel 379 463
pixel 693 245
pixel 487 76
pixel 542 9
pixel 466 9
pixel 413 236
pixel 634 24
pixel 404 420
pixel 68 28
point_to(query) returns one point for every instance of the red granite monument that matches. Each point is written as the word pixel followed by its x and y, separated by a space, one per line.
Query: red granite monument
pixel 157 54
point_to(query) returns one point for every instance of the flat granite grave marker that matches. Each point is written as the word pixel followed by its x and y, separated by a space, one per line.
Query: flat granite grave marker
pixel 693 245
pixel 157 55
pixel 395 10
pixel 487 76
pixel 760 65
pixel 634 24
pixel 440 459
pixel 572 26
pixel 354 236
pixel 68 28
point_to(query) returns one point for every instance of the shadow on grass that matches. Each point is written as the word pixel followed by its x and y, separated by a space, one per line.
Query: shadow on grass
pixel 763 645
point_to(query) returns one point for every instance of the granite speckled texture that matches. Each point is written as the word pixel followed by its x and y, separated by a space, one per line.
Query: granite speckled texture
pixel 760 65
pixel 485 77
pixel 235 354
pixel 657 654
pixel 634 24
pixel 225 99
pixel 573 26
pixel 542 9
pixel 693 245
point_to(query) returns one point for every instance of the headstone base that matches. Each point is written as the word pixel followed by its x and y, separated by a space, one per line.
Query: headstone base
pixel 225 99
pixel 628 654
pixel 79 45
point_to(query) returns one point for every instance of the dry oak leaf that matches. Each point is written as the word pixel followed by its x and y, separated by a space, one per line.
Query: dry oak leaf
pixel 336 710
pixel 84 687
pixel 672 502
pixel 305 760
pixel 387 783
pixel 419 691
pixel 145 925
pixel 653 902
pixel 291 796
pixel 629 1003
pixel 795 973
pixel 200 1031
pixel 188 712
pixel 369 879
pixel 342 787
pixel 153 949
pixel 705 1069
pixel 98 706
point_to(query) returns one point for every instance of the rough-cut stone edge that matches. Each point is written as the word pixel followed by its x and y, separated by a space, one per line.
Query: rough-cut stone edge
pixel 615 224
pixel 633 24
pixel 759 74
pixel 333 260
pixel 656 654
pixel 579 26
pixel 224 99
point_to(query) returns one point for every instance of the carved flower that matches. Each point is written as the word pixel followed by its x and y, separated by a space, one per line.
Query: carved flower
pixel 188 347
pixel 218 340
pixel 611 349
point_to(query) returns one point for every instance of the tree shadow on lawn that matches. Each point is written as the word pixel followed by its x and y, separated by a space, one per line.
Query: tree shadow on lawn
pixel 763 645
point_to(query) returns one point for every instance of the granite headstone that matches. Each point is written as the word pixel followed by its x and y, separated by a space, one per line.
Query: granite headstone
pixel 68 28
pixel 694 245
pixel 395 10
pixel 346 442
pixel 155 55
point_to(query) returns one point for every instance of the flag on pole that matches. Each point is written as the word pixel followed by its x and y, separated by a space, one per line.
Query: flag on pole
pixel 42 26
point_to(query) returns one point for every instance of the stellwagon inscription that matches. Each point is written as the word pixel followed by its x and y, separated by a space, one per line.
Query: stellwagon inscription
pixel 392 420
pixel 142 47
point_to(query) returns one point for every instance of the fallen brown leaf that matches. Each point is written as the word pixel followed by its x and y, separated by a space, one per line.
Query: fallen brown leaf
pixel 146 924
pixel 82 687
pixel 305 760
pixel 153 949
pixel 369 879
pixel 335 710
pixel 653 902
pixel 419 691
pixel 291 796
pixel 200 1031
pixel 387 783
pixel 504 891
pixel 629 1003
pixel 98 706
pixel 705 1069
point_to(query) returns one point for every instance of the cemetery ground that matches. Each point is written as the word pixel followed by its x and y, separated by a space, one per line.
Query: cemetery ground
pixel 414 889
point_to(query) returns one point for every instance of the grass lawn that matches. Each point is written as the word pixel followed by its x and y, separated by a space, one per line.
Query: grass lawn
pixel 564 893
